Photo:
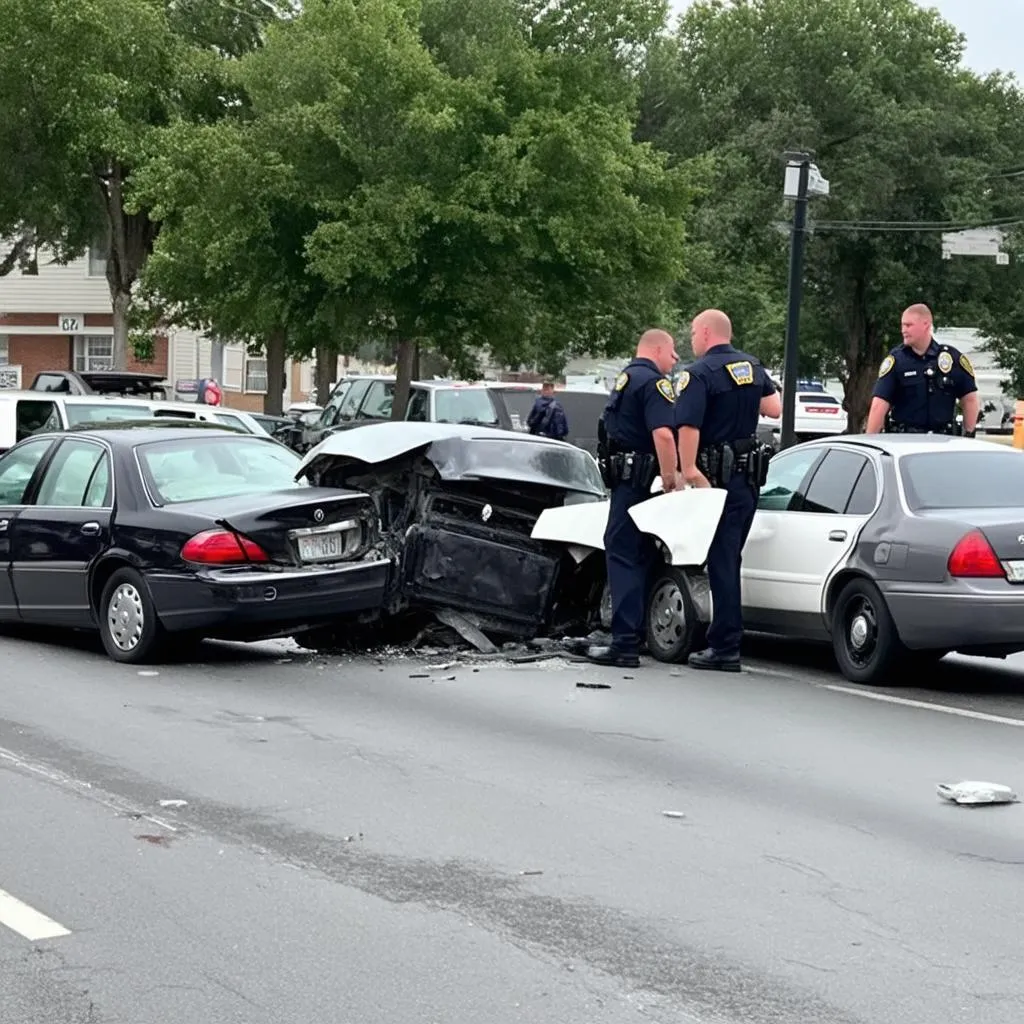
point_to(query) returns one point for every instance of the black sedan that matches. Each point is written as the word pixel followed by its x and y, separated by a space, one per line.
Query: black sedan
pixel 147 534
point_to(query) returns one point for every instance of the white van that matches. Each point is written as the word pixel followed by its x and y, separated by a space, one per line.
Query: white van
pixel 28 412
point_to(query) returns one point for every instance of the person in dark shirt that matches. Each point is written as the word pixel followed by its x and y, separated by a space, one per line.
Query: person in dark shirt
pixel 919 383
pixel 637 444
pixel 547 417
pixel 721 396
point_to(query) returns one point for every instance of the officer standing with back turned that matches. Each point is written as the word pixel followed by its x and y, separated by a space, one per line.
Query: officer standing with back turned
pixel 721 397
pixel 636 443
pixel 919 383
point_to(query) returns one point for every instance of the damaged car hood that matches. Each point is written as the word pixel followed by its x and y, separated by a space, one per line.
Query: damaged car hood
pixel 461 452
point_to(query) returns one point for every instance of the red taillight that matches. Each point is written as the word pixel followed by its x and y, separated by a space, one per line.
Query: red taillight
pixel 221 547
pixel 974 557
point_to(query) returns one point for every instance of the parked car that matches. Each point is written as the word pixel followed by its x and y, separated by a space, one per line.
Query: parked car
pixel 357 401
pixel 151 535
pixel 23 413
pixel 817 414
pixel 583 410
pixel 457 506
pixel 895 548
pixel 101 382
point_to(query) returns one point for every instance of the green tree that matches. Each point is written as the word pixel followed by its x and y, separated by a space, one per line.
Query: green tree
pixel 86 88
pixel 460 186
pixel 877 91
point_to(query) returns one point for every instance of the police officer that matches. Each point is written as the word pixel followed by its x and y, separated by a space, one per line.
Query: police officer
pixel 919 383
pixel 636 443
pixel 721 397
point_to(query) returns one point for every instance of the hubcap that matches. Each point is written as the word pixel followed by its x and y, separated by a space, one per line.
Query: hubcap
pixel 668 617
pixel 125 617
pixel 861 632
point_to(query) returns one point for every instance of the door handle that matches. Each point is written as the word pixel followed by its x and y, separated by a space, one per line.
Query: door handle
pixel 837 535
pixel 90 529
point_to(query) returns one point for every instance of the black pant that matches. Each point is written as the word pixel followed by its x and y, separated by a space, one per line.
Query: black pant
pixel 724 560
pixel 629 555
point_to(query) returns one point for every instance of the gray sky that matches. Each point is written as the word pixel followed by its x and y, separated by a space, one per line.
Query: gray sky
pixel 994 29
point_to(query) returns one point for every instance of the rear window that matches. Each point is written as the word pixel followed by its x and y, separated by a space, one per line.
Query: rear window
pixel 821 399
pixel 464 405
pixel 194 470
pixel 978 479
pixel 105 412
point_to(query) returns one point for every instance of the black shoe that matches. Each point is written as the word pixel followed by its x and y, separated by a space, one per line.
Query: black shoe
pixel 714 661
pixel 610 656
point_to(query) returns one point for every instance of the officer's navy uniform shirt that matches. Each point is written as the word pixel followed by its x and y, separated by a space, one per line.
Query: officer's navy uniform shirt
pixel 903 383
pixel 641 403
pixel 721 394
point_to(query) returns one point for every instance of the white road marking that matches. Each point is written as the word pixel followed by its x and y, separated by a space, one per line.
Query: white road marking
pixel 28 923
pixel 944 709
pixel 59 778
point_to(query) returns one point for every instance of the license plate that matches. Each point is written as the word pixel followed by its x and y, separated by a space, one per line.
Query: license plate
pixel 1014 571
pixel 322 547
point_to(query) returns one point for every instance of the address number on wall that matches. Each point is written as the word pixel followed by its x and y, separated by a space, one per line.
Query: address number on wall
pixel 70 323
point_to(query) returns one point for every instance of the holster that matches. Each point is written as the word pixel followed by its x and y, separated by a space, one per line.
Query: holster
pixel 749 458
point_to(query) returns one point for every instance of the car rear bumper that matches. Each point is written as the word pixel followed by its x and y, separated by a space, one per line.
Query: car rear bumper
pixel 247 601
pixel 961 619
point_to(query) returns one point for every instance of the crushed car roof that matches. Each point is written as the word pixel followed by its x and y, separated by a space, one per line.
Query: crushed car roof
pixel 462 451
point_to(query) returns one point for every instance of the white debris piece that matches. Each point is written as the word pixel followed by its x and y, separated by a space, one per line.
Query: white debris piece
pixel 976 793
pixel 174 803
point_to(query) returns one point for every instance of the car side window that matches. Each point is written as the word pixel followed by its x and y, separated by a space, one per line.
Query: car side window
pixel 232 421
pixel 353 399
pixel 97 492
pixel 379 400
pixel 865 493
pixel 17 467
pixel 831 487
pixel 68 476
pixel 34 416
pixel 329 413
pixel 786 474
pixel 418 410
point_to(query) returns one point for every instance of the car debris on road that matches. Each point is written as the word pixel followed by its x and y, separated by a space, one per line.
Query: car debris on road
pixel 976 793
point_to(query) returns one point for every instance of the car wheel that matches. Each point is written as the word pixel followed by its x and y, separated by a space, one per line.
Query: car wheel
pixel 864 636
pixel 129 626
pixel 671 617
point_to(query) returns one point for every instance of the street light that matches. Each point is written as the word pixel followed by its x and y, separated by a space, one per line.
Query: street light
pixel 803 179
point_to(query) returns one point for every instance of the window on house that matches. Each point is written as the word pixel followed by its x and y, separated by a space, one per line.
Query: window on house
pixel 94 352
pixel 98 259
pixel 5 350
pixel 256 375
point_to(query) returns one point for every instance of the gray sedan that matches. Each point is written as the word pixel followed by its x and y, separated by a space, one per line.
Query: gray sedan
pixel 896 548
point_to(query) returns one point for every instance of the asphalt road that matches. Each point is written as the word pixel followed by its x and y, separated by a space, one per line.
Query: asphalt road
pixel 361 845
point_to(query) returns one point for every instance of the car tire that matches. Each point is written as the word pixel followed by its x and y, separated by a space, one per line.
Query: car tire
pixel 864 637
pixel 671 619
pixel 129 627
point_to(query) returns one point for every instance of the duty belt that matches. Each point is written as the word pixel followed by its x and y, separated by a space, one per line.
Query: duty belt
pixel 909 428
pixel 621 467
pixel 747 457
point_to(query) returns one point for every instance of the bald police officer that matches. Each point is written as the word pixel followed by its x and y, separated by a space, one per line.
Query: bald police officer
pixel 636 444
pixel 721 397
pixel 920 381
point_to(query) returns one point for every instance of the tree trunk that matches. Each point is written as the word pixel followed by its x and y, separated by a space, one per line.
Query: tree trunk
pixel 863 357
pixel 121 304
pixel 274 403
pixel 403 375
pixel 326 368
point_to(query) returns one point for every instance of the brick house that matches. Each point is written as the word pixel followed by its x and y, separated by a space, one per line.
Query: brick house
pixel 61 319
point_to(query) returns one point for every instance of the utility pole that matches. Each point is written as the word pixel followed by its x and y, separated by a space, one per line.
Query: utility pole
pixel 802 181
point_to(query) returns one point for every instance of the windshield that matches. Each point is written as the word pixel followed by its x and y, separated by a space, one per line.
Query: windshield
pixel 464 405
pixel 195 469
pixel 978 479
pixel 105 412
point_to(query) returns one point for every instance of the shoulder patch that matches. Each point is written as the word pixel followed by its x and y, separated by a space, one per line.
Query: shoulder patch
pixel 684 380
pixel 945 362
pixel 664 387
pixel 621 381
pixel 966 364
pixel 887 364
pixel 742 373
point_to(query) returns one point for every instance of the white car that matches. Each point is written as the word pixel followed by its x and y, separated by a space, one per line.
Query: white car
pixel 817 414
pixel 895 548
